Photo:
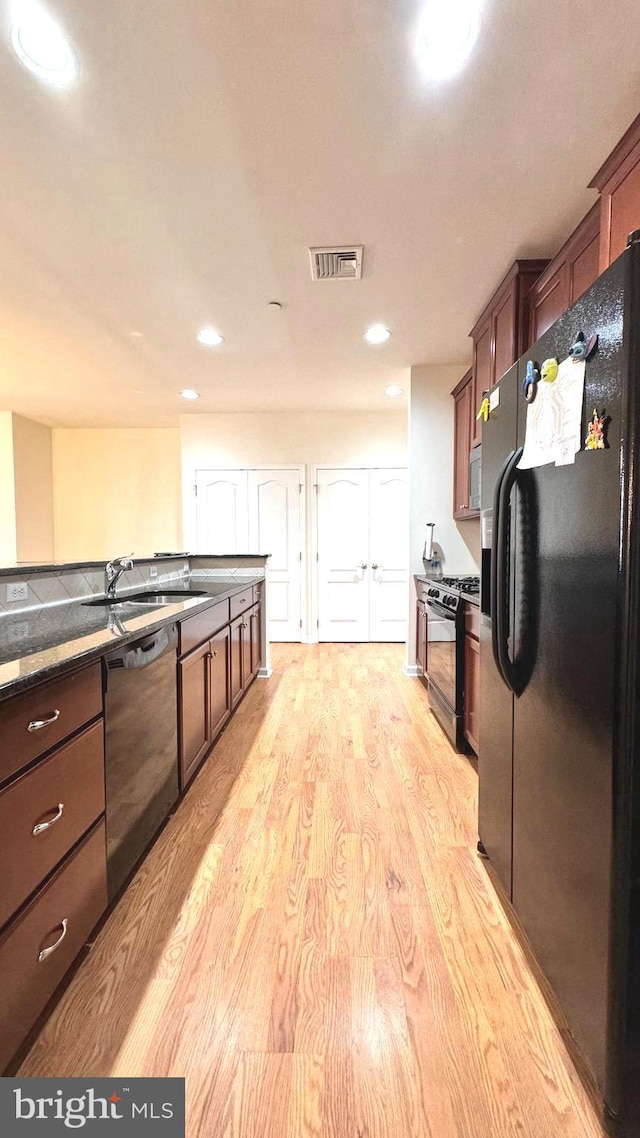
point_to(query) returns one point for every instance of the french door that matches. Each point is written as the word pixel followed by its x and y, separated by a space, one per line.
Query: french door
pixel 363 553
pixel 258 511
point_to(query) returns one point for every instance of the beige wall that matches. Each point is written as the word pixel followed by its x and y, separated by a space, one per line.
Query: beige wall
pixel 431 478
pixel 116 492
pixel 346 438
pixel 33 476
pixel 7 491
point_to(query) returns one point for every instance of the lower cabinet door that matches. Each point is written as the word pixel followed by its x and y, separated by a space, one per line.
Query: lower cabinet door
pixel 195 733
pixel 471 690
pixel 255 631
pixel 40 944
pixel 236 650
pixel 219 681
pixel 246 649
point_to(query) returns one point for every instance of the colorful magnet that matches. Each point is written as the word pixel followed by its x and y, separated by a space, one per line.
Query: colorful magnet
pixel 595 439
pixel 582 349
pixel 530 382
pixel 549 370
pixel 483 413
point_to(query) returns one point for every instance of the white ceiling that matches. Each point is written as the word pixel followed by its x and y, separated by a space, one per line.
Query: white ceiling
pixel 208 143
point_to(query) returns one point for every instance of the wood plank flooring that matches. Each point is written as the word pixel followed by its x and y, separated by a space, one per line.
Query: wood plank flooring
pixel 313 942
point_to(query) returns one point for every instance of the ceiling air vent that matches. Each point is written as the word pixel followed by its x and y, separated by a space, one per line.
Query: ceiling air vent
pixel 341 263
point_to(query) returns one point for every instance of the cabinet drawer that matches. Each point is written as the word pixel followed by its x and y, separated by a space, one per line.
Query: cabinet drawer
pixel 196 629
pixel 472 620
pixel 30 724
pixel 63 795
pixel 241 602
pixel 61 918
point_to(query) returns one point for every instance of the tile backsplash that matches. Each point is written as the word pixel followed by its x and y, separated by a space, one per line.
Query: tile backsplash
pixel 60 586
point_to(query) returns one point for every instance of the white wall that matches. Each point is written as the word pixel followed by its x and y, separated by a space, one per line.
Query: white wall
pixel 33 477
pixel 8 548
pixel 431 415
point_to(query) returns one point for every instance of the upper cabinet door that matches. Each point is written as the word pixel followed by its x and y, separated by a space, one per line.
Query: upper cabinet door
pixel 548 301
pixel 504 334
pixel 482 379
pixel 619 183
pixel 462 446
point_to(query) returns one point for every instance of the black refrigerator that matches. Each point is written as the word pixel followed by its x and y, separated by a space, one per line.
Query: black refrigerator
pixel 559 762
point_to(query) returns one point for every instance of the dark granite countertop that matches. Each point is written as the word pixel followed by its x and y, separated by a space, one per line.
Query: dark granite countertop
pixel 50 566
pixel 35 645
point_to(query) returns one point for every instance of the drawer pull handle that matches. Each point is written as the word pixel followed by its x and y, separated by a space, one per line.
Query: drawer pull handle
pixel 42 826
pixel 52 947
pixel 38 724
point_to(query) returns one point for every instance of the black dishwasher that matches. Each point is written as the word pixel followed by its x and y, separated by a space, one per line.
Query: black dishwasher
pixel 141 747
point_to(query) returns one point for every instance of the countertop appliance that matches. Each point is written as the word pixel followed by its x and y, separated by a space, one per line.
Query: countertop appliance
pixel 141 747
pixel 559 765
pixel 445 656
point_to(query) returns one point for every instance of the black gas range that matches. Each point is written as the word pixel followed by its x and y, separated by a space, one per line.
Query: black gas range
pixel 445 603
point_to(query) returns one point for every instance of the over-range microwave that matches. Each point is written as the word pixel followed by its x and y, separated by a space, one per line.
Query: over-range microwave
pixel 475 477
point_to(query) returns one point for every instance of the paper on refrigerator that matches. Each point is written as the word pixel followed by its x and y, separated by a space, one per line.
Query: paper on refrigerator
pixel 553 431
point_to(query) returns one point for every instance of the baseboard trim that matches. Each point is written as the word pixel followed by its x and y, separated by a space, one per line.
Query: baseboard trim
pixel 264 673
pixel 411 670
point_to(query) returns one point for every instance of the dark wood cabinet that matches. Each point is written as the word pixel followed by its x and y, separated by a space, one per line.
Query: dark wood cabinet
pixel 618 181
pixel 237 651
pixel 219 682
pixel 566 277
pixel 463 430
pixel 471 676
pixel 255 633
pixel 500 335
pixel 195 732
pixel 421 637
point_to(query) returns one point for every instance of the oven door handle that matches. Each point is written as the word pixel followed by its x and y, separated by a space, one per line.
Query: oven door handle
pixel 441 610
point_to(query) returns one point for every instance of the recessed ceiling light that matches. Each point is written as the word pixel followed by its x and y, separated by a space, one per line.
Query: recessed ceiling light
pixel 393 390
pixel 189 393
pixel 41 45
pixel 210 338
pixel 446 34
pixel 377 334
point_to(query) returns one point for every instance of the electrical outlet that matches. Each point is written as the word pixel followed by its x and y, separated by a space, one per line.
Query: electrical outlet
pixel 18 591
pixel 153 572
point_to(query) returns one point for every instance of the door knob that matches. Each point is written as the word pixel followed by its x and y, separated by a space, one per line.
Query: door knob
pixel 364 565
pixel 374 566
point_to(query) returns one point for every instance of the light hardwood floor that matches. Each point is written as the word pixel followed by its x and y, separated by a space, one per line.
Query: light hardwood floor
pixel 313 941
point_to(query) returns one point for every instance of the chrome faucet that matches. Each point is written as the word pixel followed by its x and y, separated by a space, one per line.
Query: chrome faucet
pixel 113 572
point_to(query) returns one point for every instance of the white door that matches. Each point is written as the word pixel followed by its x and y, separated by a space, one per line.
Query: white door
pixel 274 498
pixel 388 551
pixel 258 511
pixel 343 555
pixel 222 511
pixel 363 550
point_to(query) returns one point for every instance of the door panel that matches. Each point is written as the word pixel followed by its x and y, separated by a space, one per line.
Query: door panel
pixel 343 550
pixel 235 650
pixel 195 736
pixel 219 682
pixel 274 499
pixel 495 760
pixel 222 516
pixel 389 553
pixel 564 719
pixel 505 334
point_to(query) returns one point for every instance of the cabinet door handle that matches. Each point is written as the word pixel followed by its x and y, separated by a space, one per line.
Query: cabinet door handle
pixel 42 826
pixel 215 652
pixel 244 624
pixel 38 724
pixel 52 947
pixel 463 507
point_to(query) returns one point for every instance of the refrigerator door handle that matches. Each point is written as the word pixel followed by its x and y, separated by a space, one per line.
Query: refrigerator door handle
pixel 500 568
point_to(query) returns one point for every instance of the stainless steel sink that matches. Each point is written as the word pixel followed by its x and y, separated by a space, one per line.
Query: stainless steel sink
pixel 166 598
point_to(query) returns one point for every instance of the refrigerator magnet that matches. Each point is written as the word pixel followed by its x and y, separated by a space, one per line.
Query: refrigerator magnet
pixel 483 413
pixel 530 382
pixel 596 431
pixel 582 349
pixel 549 370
